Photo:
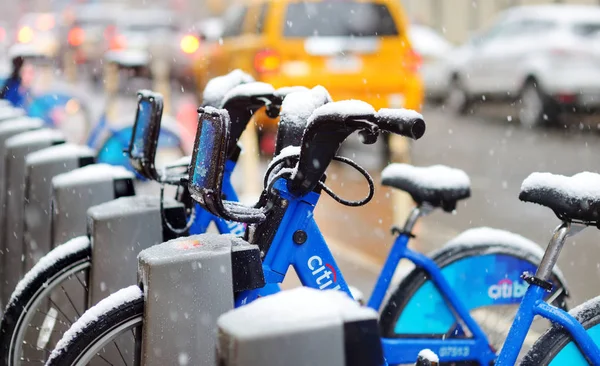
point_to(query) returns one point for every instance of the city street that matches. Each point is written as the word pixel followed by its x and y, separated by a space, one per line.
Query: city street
pixel 493 81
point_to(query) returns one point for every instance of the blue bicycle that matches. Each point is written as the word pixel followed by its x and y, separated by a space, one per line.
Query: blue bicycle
pixel 60 108
pixel 67 111
pixel 442 292
pixel 27 330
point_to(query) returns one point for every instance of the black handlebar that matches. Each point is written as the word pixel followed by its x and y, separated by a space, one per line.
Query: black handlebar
pixel 295 111
pixel 332 123
pixel 328 125
pixel 216 88
pixel 242 102
pixel 403 122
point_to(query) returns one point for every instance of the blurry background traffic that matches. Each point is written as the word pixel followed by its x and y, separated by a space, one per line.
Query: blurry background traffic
pixel 507 87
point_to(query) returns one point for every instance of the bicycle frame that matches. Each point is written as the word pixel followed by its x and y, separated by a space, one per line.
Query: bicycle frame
pixel 316 268
pixel 533 304
pixel 313 262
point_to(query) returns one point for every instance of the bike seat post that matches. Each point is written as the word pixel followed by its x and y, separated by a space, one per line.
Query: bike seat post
pixel 555 245
pixel 415 214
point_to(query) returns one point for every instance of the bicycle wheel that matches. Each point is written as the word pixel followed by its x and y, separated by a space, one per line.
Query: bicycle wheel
pixel 485 275
pixel 45 304
pixel 556 347
pixel 106 334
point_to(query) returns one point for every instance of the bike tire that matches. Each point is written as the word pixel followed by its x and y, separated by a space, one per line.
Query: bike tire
pixel 556 338
pixel 115 315
pixel 410 284
pixel 71 257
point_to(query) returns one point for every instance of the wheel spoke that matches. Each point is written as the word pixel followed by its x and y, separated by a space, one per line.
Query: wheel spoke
pixel 59 309
pixel 84 285
pixel 120 353
pixel 70 301
pixel 105 360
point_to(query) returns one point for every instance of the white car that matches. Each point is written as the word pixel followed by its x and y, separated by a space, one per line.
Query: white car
pixel 546 58
pixel 433 49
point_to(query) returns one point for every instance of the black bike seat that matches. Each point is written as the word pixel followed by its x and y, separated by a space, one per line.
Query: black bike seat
pixel 437 185
pixel 575 198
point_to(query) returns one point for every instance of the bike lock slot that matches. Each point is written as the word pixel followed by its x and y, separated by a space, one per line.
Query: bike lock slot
pixel 175 216
pixel 246 266
pixel 123 187
pixel 86 160
pixel 362 345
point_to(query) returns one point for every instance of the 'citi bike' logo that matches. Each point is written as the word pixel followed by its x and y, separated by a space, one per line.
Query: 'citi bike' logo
pixel 507 289
pixel 236 228
pixel 325 273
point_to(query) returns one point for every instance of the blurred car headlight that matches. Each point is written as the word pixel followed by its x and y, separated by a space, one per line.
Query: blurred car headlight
pixel 189 44
pixel 25 35
pixel 76 37
pixel 118 42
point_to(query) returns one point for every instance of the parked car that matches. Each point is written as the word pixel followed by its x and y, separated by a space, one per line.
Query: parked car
pixel 356 49
pixel 433 50
pixel 193 45
pixel 89 29
pixel 546 58
pixel 152 34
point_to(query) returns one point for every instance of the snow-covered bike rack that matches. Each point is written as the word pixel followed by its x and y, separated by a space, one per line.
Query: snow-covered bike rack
pixel 119 230
pixel 300 327
pixel 188 283
pixel 41 166
pixel 17 149
pixel 74 192
pixel 9 128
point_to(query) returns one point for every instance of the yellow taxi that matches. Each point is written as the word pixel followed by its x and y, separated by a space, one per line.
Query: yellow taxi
pixel 357 49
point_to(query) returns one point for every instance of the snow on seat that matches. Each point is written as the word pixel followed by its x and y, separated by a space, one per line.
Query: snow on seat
pixel 437 185
pixel 571 198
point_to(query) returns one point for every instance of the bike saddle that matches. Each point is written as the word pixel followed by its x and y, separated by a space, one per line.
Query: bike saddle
pixel 437 185
pixel 573 199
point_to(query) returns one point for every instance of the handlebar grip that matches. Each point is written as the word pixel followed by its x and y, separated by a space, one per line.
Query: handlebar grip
pixel 216 88
pixel 296 108
pixel 405 122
